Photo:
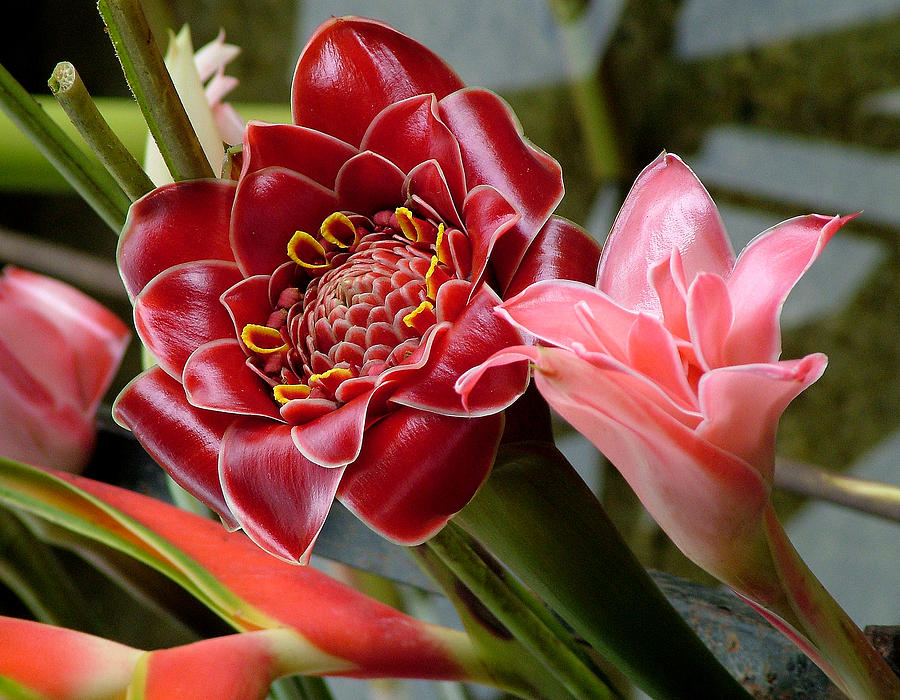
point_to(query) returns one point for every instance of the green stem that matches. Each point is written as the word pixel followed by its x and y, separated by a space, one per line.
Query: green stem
pixel 852 663
pixel 87 176
pixel 537 516
pixel 69 90
pixel 493 589
pixel 149 79
pixel 863 495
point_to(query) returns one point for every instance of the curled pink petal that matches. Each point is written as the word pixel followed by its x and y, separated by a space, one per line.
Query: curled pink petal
pixel 667 208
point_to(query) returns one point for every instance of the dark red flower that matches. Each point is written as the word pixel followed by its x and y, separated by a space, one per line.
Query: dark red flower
pixel 310 319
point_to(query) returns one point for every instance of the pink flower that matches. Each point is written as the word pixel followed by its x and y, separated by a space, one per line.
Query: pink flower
pixel 310 319
pixel 59 350
pixel 670 364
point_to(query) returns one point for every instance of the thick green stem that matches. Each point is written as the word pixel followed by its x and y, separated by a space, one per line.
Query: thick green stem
pixel 69 90
pixel 852 663
pixel 493 589
pixel 149 79
pixel 537 516
pixel 96 186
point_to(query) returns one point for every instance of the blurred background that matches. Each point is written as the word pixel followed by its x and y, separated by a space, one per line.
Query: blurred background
pixel 781 108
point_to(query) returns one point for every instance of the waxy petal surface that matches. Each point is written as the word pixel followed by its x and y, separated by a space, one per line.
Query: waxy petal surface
pixel 184 440
pixel 773 261
pixel 352 68
pixel 305 151
pixel 410 132
pixel 369 182
pixel 179 310
pixel 173 224
pixel 476 334
pixel 216 378
pixel 406 485
pixel 270 206
pixel 741 406
pixel 667 208
pixel 495 153
pixel 283 511
pixel 562 250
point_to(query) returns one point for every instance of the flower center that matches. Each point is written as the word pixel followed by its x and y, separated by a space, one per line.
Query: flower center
pixel 359 300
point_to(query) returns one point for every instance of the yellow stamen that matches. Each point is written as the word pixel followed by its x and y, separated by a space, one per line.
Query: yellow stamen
pixel 410 318
pixel 288 392
pixel 441 247
pixel 262 339
pixel 307 252
pixel 408 224
pixel 431 286
pixel 339 230
pixel 335 373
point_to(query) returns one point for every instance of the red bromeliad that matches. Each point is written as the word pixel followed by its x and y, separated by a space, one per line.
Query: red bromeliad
pixel 311 318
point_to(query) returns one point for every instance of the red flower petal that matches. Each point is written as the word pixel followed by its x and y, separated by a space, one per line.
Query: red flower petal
pixel 270 206
pixel 305 151
pixel 426 182
pixel 216 377
pixel 247 302
pixel 476 335
pixel 173 224
pixel 417 469
pixel 184 440
pixel 488 216
pixel 495 153
pixel 369 182
pixel 279 497
pixel 334 439
pixel 352 68
pixel 562 250
pixel 180 310
pixel 410 132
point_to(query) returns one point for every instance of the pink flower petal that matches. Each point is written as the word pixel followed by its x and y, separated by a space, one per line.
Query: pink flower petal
pixel 475 335
pixel 652 352
pixel 352 68
pixel 495 153
pixel 183 440
pixel 410 132
pixel 173 224
pixel 406 484
pixel 765 272
pixel 90 334
pixel 709 319
pixel 216 377
pixel 706 499
pixel 305 151
pixel 666 209
pixel 741 406
pixel 546 309
pixel 278 496
pixel 179 310
pixel 562 250
pixel 369 182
